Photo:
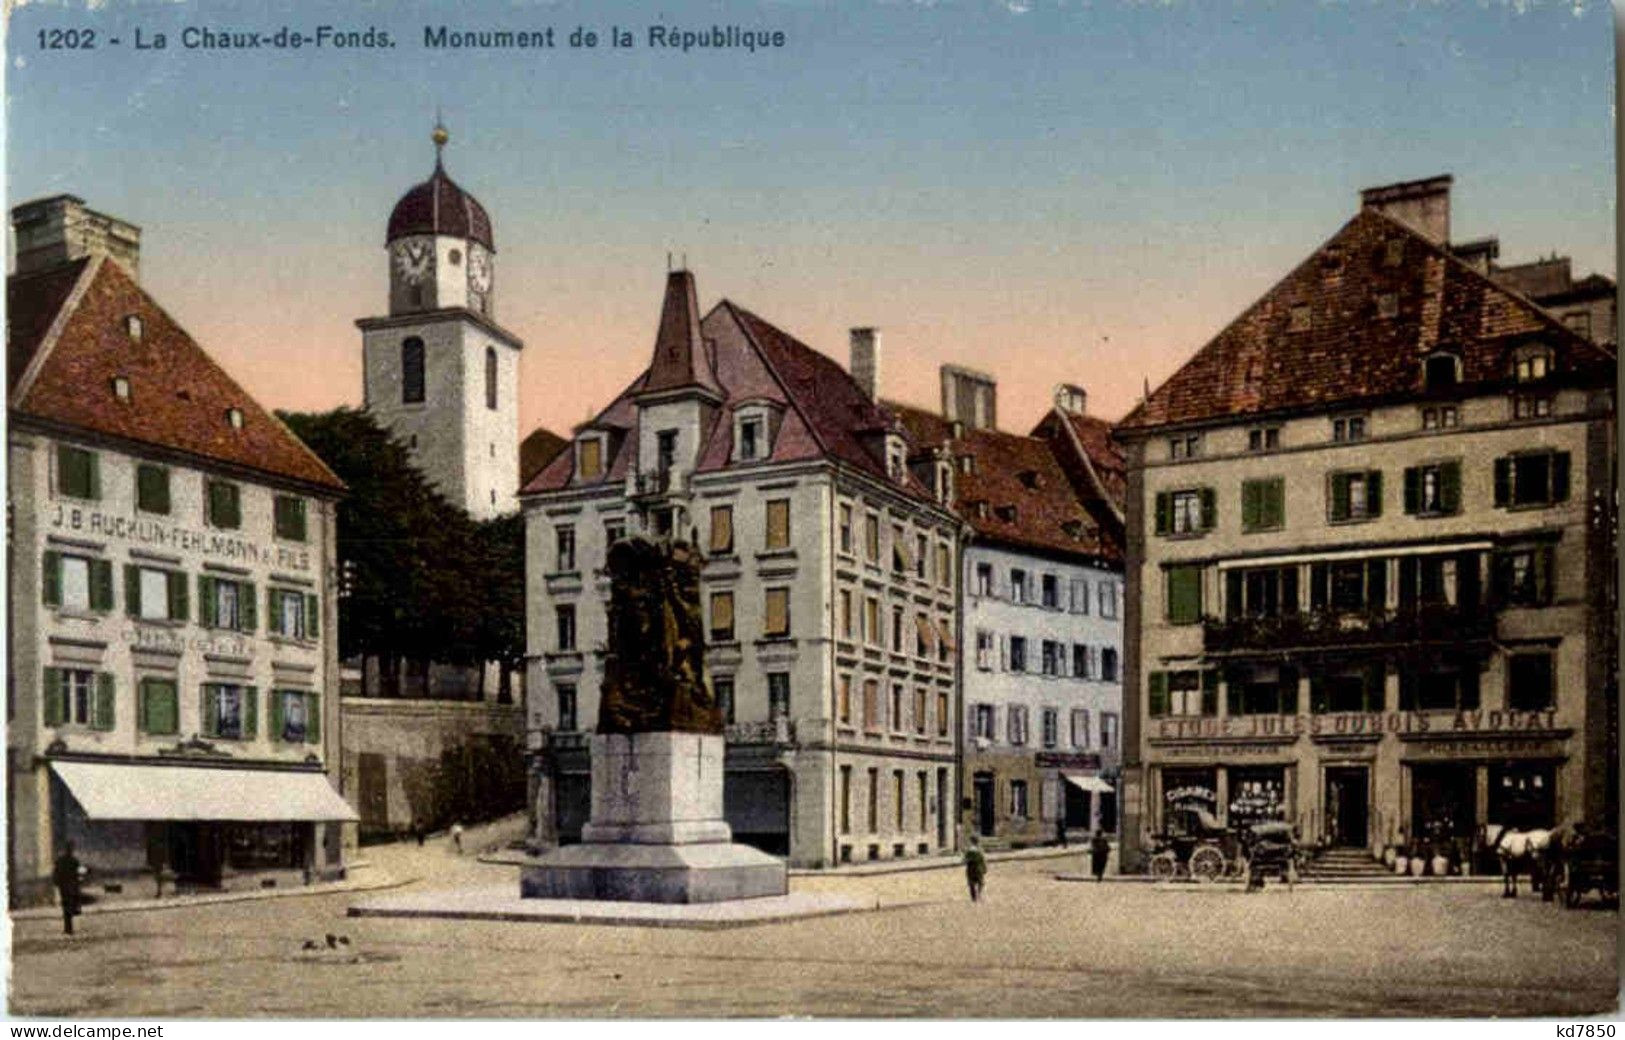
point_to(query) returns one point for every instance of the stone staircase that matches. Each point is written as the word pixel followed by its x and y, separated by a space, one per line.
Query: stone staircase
pixel 1342 865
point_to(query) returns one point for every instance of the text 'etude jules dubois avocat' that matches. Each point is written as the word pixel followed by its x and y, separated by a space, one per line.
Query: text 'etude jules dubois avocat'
pixel 670 38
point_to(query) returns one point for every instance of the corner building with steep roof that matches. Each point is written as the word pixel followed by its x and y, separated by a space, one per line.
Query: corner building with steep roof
pixel 1371 530
pixel 829 587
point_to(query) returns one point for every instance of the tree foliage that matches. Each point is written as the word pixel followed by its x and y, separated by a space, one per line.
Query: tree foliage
pixel 418 577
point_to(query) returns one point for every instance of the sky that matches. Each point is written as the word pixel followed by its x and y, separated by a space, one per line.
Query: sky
pixel 1050 192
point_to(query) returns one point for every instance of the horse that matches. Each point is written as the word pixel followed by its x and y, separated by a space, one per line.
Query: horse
pixel 1519 851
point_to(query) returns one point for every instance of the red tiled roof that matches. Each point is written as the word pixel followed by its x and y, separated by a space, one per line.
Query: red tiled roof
pixel 439 207
pixel 1017 492
pixel 32 303
pixel 179 396
pixel 1349 353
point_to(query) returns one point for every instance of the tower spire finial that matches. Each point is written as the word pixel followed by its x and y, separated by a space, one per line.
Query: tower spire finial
pixel 439 137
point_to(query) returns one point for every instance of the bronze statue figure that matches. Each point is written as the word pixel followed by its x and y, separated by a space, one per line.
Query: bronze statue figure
pixel 654 674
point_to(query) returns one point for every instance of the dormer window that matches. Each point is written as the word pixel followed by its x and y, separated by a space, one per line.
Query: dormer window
pixel 589 458
pixel 1028 478
pixel 944 482
pixel 754 425
pixel 896 457
pixel 1532 364
pixel 121 388
pixel 133 327
pixel 1441 371
pixel 750 439
pixel 234 418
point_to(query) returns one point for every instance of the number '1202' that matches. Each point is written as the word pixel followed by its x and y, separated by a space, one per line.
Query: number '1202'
pixel 67 39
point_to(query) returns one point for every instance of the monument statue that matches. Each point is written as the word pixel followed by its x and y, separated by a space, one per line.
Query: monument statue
pixel 654 674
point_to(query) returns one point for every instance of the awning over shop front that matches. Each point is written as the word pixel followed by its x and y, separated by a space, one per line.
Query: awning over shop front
pixel 109 791
pixel 1089 783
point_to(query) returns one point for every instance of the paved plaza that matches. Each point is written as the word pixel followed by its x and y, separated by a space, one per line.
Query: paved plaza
pixel 1035 947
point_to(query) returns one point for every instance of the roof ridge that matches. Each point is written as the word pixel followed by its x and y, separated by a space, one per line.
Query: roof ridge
pixel 772 370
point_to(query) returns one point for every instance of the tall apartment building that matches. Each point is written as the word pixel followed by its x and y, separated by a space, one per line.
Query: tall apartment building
pixel 1372 525
pixel 1041 656
pixel 171 652
pixel 829 585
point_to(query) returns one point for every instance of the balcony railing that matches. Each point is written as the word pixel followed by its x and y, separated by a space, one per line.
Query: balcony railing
pixel 654 483
pixel 773 731
pixel 1329 628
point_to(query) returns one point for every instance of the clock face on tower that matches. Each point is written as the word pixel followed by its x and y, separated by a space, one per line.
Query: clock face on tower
pixel 479 269
pixel 414 259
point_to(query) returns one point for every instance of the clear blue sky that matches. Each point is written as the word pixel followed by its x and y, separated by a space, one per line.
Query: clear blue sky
pixel 1080 191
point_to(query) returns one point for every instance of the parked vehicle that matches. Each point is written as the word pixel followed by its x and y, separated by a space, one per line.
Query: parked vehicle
pixel 1589 863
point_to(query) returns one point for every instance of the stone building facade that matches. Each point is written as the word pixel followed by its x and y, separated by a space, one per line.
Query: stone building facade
pixel 171 653
pixel 1372 527
pixel 829 586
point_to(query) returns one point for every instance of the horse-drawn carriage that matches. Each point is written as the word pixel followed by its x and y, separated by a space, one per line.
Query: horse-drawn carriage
pixel 1198 846
pixel 1588 862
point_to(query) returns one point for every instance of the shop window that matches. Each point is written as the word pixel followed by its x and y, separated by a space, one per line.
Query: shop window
pixel 1353 689
pixel 1263 504
pixel 1354 496
pixel 1188 794
pixel 1018 799
pixel 1257 795
pixel 1188 512
pixel 1188 692
pixel 152 489
pixel 1523 576
pixel 1433 489
pixel 79 697
pixel 1523 796
pixel 1185 594
pixel 1262 690
pixel 1442 798
pixel 1441 687
pixel 722 617
pixel 78 473
pixel 1532 478
pixel 1530 682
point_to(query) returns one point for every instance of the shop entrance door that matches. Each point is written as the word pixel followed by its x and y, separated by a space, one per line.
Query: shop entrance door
pixel 1346 806
pixel 983 787
pixel 196 852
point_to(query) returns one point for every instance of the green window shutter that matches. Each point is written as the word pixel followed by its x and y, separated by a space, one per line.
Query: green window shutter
pixel 273 713
pixel 234 506
pixel 1159 693
pixel 247 607
pixel 132 590
pixel 1275 502
pixel 143 693
pixel 1210 509
pixel 207 609
pixel 1250 520
pixel 1184 595
pixel 1503 481
pixel 1373 493
pixel 273 616
pixel 290 518
pixel 167 716
pixel 251 702
pixel 1560 476
pixel 209 711
pixel 179 609
pixel 51 579
pixel 1450 487
pixel 313 617
pixel 152 489
pixel 101 584
pixel 1317 695
pixel 1210 691
pixel 55 698
pixel 1339 496
pixel 313 718
pixel 106 694
pixel 1164 511
pixel 1413 489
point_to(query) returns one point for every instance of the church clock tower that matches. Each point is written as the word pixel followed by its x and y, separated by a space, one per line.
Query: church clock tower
pixel 438 369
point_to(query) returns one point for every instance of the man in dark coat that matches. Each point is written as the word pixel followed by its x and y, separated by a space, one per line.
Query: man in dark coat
pixel 66 878
pixel 975 869
pixel 1099 850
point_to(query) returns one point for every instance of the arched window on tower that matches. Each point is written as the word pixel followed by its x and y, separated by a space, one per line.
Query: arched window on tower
pixel 490 377
pixel 412 370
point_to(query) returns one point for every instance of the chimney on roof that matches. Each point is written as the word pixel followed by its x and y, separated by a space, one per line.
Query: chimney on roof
pixel 1071 399
pixel 53 231
pixel 865 363
pixel 1423 206
pixel 969 397
pixel 1480 254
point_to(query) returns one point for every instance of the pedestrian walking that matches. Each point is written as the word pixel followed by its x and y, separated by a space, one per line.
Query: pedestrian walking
pixel 1060 831
pixel 66 878
pixel 975 869
pixel 457 837
pixel 1099 850
pixel 417 831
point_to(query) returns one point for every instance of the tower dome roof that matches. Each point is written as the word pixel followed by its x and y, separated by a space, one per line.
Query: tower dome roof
pixel 439 207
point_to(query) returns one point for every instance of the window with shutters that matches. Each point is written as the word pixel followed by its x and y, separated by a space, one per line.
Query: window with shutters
pixel 1078 594
pixel 1531 682
pixel 1185 594
pixel 77 584
pixel 1264 689
pixel 1080 727
pixel 1440 686
pixel 294 614
pixel 1536 478
pixel 78 473
pixel 871 538
pixel 79 697
pixel 1353 497
pixel 722 617
pixel 1263 504
pixel 984 579
pixel 222 504
pixel 1108 599
pixel 564 618
pixel 1186 513
pixel 1051 727
pixel 776 610
pixel 1188 692
pixel 983 722
pixel 1050 592
pixel 984 650
pixel 288 517
pixel 1109 730
pixel 589 458
pixel 229 711
pixel 1433 489
pixel 223 603
pixel 152 594
pixel 412 370
pixel 1018 586
pixel 1522 576
pixel 1018 654
pixel 564 548
pixel 152 489
pixel 1080 661
pixel 295 716
pixel 778 524
pixel 722 688
pixel 1049 657
pixel 942 713
pixel 1016 724
pixel 158 706
pixel 922 710
pixel 845 528
pixel 1018 799
pixel 1108 664
pixel 871 705
pixel 1349 428
pixel 843 699
pixel 1352 688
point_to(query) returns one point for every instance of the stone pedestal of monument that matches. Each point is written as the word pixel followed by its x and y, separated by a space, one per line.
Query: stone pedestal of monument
pixel 656 833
